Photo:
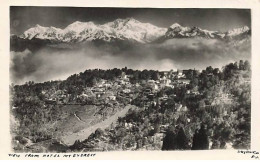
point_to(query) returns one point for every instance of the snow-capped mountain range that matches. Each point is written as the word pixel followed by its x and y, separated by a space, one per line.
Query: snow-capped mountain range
pixel 178 31
pixel 125 29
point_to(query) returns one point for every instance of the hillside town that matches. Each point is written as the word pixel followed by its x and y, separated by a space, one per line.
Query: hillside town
pixel 169 110
pixel 121 90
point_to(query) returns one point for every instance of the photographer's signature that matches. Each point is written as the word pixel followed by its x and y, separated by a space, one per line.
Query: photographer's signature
pixel 253 154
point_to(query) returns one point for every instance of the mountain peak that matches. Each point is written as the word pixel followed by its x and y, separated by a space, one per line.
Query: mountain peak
pixel 79 23
pixel 237 31
pixel 125 21
pixel 38 26
pixel 131 19
pixel 175 25
pixel 245 28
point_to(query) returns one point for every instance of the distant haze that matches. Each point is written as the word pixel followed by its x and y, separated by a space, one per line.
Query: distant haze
pixel 51 63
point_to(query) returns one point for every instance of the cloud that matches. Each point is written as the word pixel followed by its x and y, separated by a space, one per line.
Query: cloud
pixel 52 63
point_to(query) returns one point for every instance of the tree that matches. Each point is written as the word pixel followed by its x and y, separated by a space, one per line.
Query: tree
pixel 216 144
pixel 189 74
pixel 195 142
pixel 200 139
pixel 202 104
pixel 99 132
pixel 246 65
pixel 169 140
pixel 145 75
pixel 241 65
pixel 93 81
pixel 236 66
pixel 209 70
pixel 155 76
pixel 156 128
pixel 194 82
pixel 157 125
pixel 120 134
pixel 77 145
pixel 216 71
pixel 182 141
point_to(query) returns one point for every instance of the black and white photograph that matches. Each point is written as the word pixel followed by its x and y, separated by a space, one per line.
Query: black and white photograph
pixel 130 80
pixel 86 79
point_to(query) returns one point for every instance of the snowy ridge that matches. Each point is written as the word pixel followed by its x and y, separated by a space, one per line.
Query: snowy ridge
pixel 122 29
pixel 178 31
pixel 42 32
pixel 125 29
pixel 237 31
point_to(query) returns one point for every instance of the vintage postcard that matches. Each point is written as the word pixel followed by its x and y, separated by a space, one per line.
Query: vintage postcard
pixel 104 80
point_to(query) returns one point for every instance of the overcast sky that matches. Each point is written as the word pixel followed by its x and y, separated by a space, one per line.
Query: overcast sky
pixel 22 18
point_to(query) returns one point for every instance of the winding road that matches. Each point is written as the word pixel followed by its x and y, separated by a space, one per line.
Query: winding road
pixel 78 118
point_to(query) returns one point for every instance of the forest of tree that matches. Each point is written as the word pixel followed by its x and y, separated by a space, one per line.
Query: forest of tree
pixel 209 120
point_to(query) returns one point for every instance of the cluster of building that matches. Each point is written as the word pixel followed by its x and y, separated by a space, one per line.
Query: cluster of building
pixel 120 90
